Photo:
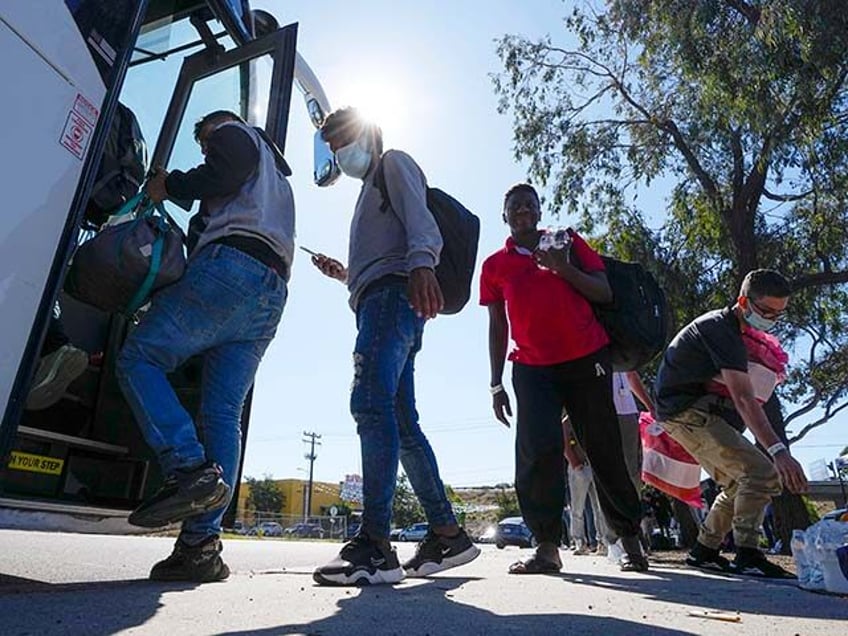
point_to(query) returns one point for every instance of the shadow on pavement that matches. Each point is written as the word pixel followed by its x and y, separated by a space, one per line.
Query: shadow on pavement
pixel 427 608
pixel 33 608
pixel 728 593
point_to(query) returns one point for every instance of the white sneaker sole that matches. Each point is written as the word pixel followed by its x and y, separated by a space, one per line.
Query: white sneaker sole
pixel 359 577
pixel 66 365
pixel 431 567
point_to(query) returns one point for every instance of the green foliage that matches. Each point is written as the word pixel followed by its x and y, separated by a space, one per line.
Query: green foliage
pixel 507 502
pixel 739 111
pixel 405 507
pixel 265 495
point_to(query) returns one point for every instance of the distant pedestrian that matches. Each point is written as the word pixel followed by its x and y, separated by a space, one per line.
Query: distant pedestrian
pixel 712 348
pixel 543 299
pixel 584 494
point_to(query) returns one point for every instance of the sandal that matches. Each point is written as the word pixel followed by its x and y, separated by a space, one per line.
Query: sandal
pixel 535 565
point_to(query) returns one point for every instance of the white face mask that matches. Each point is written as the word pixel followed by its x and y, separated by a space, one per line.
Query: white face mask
pixel 355 158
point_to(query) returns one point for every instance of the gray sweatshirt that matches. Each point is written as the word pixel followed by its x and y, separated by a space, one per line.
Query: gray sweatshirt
pixel 395 241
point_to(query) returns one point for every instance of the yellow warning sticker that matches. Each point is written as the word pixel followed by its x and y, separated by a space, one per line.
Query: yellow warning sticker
pixel 36 463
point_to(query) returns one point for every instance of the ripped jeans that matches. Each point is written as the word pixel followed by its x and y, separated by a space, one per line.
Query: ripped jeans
pixel 382 403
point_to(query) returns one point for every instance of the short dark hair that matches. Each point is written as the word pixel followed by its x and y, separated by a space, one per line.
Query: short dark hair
pixel 215 115
pixel 759 283
pixel 349 119
pixel 521 187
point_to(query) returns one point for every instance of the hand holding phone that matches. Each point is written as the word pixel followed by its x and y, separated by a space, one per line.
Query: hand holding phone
pixel 328 266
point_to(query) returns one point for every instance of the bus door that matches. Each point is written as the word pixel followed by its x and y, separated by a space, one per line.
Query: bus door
pixel 85 454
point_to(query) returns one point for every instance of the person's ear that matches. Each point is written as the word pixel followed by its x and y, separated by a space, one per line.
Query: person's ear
pixel 503 216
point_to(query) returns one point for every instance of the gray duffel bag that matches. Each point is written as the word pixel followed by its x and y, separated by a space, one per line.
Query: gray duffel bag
pixel 118 269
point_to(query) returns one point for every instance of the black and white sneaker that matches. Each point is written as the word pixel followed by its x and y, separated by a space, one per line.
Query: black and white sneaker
pixel 708 559
pixel 752 562
pixel 361 562
pixel 436 553
pixel 182 495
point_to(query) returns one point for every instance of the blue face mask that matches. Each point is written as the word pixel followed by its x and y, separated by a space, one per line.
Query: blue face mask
pixel 756 320
pixel 355 158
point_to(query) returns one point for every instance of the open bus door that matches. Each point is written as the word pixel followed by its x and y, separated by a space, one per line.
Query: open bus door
pixel 81 464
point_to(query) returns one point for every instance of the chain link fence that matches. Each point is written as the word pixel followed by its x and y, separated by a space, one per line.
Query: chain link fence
pixel 270 524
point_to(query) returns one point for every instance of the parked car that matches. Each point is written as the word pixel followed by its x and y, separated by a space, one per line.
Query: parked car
pixel 415 532
pixel 305 530
pixel 394 534
pixel 513 531
pixel 489 535
pixel 267 529
pixel 840 514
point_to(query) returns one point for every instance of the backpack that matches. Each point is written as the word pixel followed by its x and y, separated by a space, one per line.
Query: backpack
pixel 460 231
pixel 637 319
pixel 122 167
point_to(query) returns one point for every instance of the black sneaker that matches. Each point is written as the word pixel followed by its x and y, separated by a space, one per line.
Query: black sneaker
pixel 183 495
pixel 200 563
pixel 361 562
pixel 752 562
pixel 708 559
pixel 634 559
pixel 436 553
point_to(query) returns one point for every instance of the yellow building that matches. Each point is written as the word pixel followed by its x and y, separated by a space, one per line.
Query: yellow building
pixel 324 495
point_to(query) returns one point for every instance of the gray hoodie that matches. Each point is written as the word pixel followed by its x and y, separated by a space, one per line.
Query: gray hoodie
pixel 395 241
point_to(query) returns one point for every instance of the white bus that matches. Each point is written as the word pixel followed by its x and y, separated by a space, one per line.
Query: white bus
pixel 64 65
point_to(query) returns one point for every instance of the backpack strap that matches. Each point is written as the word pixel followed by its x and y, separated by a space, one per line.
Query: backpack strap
pixel 379 182
pixel 143 291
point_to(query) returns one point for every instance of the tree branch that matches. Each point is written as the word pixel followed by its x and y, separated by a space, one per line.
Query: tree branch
pixel 828 414
pixel 751 13
pixel 785 198
pixel 819 279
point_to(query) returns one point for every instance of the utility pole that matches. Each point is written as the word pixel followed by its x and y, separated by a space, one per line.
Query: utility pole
pixel 311 439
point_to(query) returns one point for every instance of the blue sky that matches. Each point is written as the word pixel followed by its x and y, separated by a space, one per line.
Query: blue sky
pixel 422 69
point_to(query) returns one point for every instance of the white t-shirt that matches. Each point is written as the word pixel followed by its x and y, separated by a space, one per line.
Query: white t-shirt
pixel 625 404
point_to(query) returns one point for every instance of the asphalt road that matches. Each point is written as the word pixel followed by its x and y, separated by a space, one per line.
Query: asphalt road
pixel 56 583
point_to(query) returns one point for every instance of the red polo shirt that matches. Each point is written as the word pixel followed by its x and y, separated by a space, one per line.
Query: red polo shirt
pixel 549 320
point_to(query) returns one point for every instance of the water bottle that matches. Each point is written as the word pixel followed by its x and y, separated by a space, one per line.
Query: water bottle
pixel 562 239
pixel 546 240
pixel 802 558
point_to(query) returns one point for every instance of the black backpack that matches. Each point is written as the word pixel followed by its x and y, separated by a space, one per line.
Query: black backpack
pixel 637 319
pixel 122 167
pixel 460 234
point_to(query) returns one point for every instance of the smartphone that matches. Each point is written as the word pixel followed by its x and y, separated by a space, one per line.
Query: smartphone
pixel 308 251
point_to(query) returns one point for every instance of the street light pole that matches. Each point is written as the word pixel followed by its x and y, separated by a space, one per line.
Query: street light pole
pixel 311 456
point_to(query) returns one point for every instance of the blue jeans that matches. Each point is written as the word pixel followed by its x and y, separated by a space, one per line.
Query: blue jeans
pixel 226 307
pixel 382 402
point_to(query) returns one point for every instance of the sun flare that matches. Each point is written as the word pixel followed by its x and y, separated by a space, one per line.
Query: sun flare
pixel 379 102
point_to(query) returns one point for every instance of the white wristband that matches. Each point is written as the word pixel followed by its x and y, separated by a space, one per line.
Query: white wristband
pixel 498 388
pixel 774 449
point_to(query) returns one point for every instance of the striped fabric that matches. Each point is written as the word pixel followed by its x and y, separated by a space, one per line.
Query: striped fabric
pixel 667 466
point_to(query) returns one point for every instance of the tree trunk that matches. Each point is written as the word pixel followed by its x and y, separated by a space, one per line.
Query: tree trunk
pixel 790 513
pixel 688 527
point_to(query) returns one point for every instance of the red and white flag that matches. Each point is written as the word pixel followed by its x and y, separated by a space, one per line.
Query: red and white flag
pixel 667 466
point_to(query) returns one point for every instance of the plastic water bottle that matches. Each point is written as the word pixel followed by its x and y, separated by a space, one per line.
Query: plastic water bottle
pixel 802 559
pixel 562 238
